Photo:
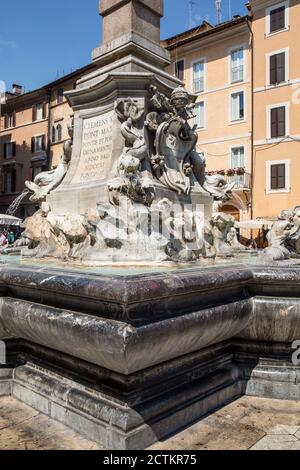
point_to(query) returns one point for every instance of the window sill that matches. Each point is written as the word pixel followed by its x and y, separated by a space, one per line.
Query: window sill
pixel 239 121
pixel 278 191
pixel 277 85
pixel 275 140
pixel 237 82
pixel 284 30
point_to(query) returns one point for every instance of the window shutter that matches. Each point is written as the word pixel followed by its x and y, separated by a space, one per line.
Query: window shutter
pixel 44 110
pixel 274 180
pixel 274 123
pixel 277 19
pixel 32 144
pixel 53 134
pixel 281 122
pixel 14 149
pixel 280 58
pixel 273 22
pixel 281 176
pixel 14 119
pixel 34 113
pixel 281 18
pixel 6 124
pixel 179 68
pixel 273 75
pixel 44 142
pixel 5 150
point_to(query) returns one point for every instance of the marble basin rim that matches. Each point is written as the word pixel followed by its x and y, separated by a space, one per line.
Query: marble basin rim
pixel 127 324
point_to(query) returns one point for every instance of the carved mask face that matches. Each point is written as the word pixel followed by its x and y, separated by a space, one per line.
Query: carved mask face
pixel 179 103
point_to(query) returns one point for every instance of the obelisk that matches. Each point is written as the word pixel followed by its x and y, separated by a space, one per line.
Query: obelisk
pixel 130 60
pixel 131 25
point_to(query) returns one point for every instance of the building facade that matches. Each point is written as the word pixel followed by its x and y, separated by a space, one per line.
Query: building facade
pixel 33 129
pixel 215 64
pixel 276 106
pixel 24 145
pixel 246 76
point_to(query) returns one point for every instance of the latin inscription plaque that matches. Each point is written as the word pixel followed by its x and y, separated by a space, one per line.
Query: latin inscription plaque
pixel 96 149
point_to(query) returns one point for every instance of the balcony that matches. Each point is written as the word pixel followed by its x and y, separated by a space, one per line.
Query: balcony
pixel 241 179
pixel 241 182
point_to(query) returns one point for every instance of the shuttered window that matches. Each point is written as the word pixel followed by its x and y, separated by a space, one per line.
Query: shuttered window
pixel 278 177
pixel 38 144
pixel 277 68
pixel 277 19
pixel 9 149
pixel 10 120
pixel 10 181
pixel 278 122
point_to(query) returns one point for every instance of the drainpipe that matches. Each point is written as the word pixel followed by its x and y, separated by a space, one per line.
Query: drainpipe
pixel 249 24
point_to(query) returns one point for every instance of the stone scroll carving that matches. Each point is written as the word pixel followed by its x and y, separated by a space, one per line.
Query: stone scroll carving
pixel 129 180
pixel 46 181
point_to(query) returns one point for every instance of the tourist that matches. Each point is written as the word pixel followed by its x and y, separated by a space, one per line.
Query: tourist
pixel 11 238
pixel 3 239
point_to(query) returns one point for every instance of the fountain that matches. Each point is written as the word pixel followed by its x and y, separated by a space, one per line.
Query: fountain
pixel 116 324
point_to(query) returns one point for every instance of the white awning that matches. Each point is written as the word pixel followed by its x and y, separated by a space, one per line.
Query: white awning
pixel 9 220
pixel 255 224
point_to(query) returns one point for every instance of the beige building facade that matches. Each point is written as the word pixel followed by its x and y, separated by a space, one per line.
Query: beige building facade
pixel 245 74
pixel 215 64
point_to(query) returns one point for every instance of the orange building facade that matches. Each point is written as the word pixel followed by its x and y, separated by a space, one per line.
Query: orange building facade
pixel 276 107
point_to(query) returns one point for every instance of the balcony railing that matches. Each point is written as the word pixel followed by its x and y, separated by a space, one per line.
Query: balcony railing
pixel 242 181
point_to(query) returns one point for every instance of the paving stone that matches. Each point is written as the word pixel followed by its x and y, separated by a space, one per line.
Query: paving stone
pixel 276 442
pixel 22 428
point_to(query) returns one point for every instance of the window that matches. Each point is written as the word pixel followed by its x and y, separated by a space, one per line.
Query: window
pixel 38 144
pixel 199 120
pixel 39 112
pixel 60 95
pixel 278 122
pixel 10 120
pixel 56 133
pixel 277 68
pixel 237 65
pixel 198 76
pixel 237 106
pixel 10 181
pixel 238 157
pixel 277 18
pixel 9 149
pixel 179 69
pixel 278 177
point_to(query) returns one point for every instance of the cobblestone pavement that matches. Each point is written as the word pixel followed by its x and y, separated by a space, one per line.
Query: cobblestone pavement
pixel 248 423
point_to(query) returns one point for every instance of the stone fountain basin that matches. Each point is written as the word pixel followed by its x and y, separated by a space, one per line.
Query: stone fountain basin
pixel 130 323
pixel 124 324
pixel 128 359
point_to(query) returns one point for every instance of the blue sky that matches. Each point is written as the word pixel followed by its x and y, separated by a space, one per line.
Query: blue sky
pixel 41 40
